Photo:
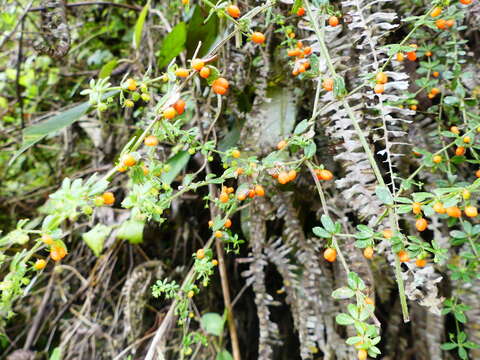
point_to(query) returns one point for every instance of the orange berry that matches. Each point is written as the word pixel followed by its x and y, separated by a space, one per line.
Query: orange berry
pixel 251 193
pixel 223 197
pixel 416 208
pixel 400 57
pixel 428 53
pixel 210 223
pixel 325 174
pixel 362 354
pixel 454 211
pixel 412 55
pixel 39 264
pixel 228 223
pixel 200 254
pixel 368 253
pixel 169 113
pixel 242 196
pixel 466 2
pixel 379 88
pixel 181 72
pixel 233 11
pixel 281 145
pixel 122 169
pixel 55 255
pixel 47 239
pixel 221 82
pixel 435 91
pixel 330 254
pixel 333 21
pixel 205 72
pixel 129 160
pixel 403 256
pixel 108 198
pixel 421 224
pixel 413 107
pixel 437 159
pixel 151 140
pixel 145 170
pixel 436 74
pixel 294 52
pixel 301 11
pixel 179 106
pixel 198 64
pixel 471 211
pixel 328 84
pixel 441 24
pixel 467 139
pixel 438 208
pixel 455 130
pixel 387 234
pixel 421 262
pixel 258 37
pixel 230 190
pixel 369 301
pixel 239 171
pixel 460 151
pixel 131 84
pixel 236 154
pixel 214 262
pixel 477 173
pixel 190 294
pixel 218 234
pixel 220 90
pixel 436 11
pixel 259 190
pixel 307 51
pixel 292 175
pixel 450 22
pixel 283 177
pixel 381 78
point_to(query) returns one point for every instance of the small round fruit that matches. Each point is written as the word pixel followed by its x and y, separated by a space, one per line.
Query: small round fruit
pixel 214 262
pixel 218 234
pixel 281 145
pixel 467 139
pixel 39 264
pixel 421 263
pixel 441 24
pixel 466 2
pixel 259 190
pixel 454 211
pixel 205 72
pixel 179 106
pixel 241 196
pixel 455 130
pixel 129 103
pixel 220 90
pixel 210 223
pixel 292 175
pixel 421 224
pixel 368 253
pixel 333 21
pixel 460 151
pixel 416 208
pixel 198 64
pixel 413 107
pixel 221 82
pixel 435 91
pixel 328 84
pixel 450 22
pixel 307 51
pixel 233 11
pixel 438 208
pixel 437 159
pixel 228 223
pixel 190 294
pixel 236 153
pixel 381 78
pixel 169 113
pixel 325 175
pixel 108 198
pixel 436 11
pixel 387 233
pixel 47 239
pixel 181 72
pixel 330 254
pixel 412 56
pixel 369 301
pixel 223 197
pixel 301 11
pixel 379 89
pixel 466 194
pixel 400 57
pixel 403 256
pixel 283 177
pixel 129 160
pixel 362 354
pixel 131 84
pixel 151 140
pixel 471 211
pixel 294 52
pixel 436 74
pixel 258 37
pixel 200 254
pixel 477 173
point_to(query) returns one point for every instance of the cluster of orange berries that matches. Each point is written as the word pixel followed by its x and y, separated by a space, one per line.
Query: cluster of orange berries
pixel 402 254
pixel 200 254
pixel 176 109
pixel 57 252
pixel 299 52
pixel 257 190
pixel 219 86
pixel 441 23
pixel 328 84
pixel 284 177
pixel 131 85
pixel 411 55
pixel 381 79
pixel 433 92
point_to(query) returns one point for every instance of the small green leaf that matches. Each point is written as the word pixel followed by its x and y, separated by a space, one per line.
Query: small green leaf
pixel 224 355
pixel 107 69
pixel 132 231
pixel 344 319
pixel 95 238
pixel 56 354
pixel 301 127
pixel 139 26
pixel 343 293
pixel 448 346
pixel 212 323
pixel 328 224
pixel 321 232
pixel 384 195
